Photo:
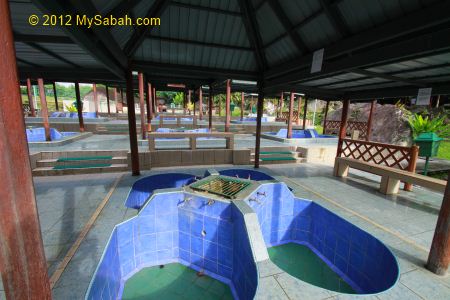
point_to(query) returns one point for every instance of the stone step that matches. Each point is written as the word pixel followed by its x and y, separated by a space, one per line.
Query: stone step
pixel 50 171
pixel 268 161
pixel 73 161
pixel 276 154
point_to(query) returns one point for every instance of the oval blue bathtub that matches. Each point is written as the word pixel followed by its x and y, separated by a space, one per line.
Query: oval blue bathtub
pixel 246 174
pixel 143 188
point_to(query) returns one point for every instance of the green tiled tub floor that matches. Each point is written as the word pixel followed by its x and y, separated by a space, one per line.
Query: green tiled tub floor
pixel 174 281
pixel 302 263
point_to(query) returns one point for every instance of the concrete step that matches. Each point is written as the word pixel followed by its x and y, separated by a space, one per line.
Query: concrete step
pixel 50 171
pixel 94 160
pixel 265 154
pixel 279 160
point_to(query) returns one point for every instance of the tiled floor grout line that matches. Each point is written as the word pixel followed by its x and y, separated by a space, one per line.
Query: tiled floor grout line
pixel 276 279
pixel 411 290
pixel 63 264
pixel 405 239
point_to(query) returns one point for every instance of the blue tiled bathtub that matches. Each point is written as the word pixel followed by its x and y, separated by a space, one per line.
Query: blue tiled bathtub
pixel 246 174
pixel 143 188
pixel 168 229
pixel 38 134
pixel 358 257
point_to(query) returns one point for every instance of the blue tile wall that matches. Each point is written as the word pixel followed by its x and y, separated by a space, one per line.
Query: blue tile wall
pixel 244 276
pixel 143 188
pixel 169 229
pixel 361 259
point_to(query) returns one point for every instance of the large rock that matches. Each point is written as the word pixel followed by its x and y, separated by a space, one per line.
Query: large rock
pixel 389 122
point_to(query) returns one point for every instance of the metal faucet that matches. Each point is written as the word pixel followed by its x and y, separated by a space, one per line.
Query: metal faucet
pixel 255 200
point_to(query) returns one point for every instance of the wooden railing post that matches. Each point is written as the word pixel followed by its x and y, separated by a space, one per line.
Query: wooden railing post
pixel 343 127
pixel 151 143
pixel 193 142
pixel 414 154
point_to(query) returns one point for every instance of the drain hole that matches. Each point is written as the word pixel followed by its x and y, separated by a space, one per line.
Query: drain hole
pixel 203 233
pixel 161 266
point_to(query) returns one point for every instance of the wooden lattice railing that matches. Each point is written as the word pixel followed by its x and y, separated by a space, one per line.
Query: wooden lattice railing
pixel 403 158
pixel 332 127
pixel 285 115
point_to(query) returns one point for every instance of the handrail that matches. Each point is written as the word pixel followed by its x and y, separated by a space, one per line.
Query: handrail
pixel 192 136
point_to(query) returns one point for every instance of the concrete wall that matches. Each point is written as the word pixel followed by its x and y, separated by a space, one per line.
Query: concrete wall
pixel 173 158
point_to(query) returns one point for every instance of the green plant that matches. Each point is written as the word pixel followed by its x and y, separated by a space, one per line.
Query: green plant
pixel 71 108
pixel 419 125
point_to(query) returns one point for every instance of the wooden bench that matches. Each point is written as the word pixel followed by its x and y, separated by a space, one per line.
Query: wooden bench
pixel 390 177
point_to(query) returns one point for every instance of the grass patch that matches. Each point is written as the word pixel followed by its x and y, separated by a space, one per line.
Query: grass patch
pixel 444 150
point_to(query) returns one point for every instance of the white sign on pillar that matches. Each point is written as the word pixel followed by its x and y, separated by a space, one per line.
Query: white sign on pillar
pixel 317 61
pixel 423 96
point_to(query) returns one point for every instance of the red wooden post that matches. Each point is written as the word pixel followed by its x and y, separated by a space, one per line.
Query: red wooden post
pixel 210 107
pixel 242 106
pixel 94 92
pixel 30 98
pixel 280 105
pixel 227 106
pixel 132 124
pixel 107 100
pixel 439 257
pixel 22 260
pixel 184 102
pixel 200 103
pixel 79 106
pixel 343 128
pixel 149 107
pixel 414 154
pixel 259 113
pixel 56 96
pixel 155 102
pixel 298 109
pixel 115 100
pixel 325 118
pixel 44 109
pixel 305 111
pixel 141 104
pixel 291 108
pixel 369 122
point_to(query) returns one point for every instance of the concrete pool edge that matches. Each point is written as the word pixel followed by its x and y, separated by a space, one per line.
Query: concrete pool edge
pixel 61 142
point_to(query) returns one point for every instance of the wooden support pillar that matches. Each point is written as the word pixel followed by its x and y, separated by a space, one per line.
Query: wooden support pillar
pixel 142 105
pixel 189 100
pixel 79 106
pixel 200 103
pixel 210 107
pixel 280 105
pixel 242 106
pixel 184 102
pixel 94 92
pixel 115 100
pixel 44 109
pixel 22 260
pixel 299 105
pixel 369 122
pixel 289 123
pixel 227 106
pixel 343 127
pixel 439 257
pixel 149 107
pixel 107 100
pixel 325 118
pixel 155 102
pixel 259 113
pixel 56 96
pixel 305 111
pixel 30 98
pixel 132 124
